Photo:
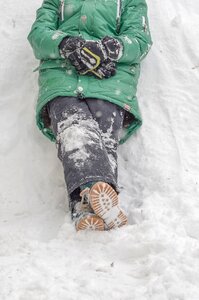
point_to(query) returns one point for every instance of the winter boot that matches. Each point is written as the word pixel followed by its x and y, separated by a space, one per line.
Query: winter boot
pixel 105 203
pixel 84 216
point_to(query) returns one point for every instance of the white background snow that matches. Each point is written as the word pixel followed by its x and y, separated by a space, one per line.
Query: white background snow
pixel 157 255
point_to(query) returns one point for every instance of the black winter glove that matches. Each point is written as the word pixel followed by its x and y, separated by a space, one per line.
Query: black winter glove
pixel 69 48
pixel 112 47
pixel 112 50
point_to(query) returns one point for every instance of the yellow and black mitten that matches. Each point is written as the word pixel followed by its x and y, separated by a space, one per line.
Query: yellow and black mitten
pixel 92 56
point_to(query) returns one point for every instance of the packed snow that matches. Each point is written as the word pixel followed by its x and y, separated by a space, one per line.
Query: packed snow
pixel 157 255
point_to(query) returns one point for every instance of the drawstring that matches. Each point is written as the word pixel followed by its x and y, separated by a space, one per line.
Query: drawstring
pixel 119 10
pixel 62 10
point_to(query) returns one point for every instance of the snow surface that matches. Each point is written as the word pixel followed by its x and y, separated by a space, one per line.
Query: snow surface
pixel 157 255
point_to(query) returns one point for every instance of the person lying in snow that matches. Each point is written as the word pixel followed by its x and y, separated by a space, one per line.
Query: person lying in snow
pixel 90 53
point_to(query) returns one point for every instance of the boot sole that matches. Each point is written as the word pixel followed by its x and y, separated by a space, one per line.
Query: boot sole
pixel 90 222
pixel 104 201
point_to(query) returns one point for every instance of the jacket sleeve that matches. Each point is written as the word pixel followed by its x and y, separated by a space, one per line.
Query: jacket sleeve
pixel 134 32
pixel 44 36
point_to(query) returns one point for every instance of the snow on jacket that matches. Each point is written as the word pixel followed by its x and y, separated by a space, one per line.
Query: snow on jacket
pixel 125 20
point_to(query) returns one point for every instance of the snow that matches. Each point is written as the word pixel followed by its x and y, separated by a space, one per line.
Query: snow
pixel 157 255
pixel 79 138
pixel 57 34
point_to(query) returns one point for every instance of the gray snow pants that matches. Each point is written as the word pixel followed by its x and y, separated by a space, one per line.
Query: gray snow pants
pixel 87 134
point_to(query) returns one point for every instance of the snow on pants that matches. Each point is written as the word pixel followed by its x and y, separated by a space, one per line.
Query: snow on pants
pixel 87 134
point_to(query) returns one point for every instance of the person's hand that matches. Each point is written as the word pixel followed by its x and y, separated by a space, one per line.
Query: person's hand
pixel 95 57
pixel 70 47
pixel 84 55
pixel 112 51
pixel 112 47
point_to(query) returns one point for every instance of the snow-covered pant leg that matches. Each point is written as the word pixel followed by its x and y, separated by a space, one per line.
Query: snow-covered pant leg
pixel 109 117
pixel 80 145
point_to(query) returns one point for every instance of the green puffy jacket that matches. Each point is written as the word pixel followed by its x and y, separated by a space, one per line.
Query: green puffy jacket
pixel 125 20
